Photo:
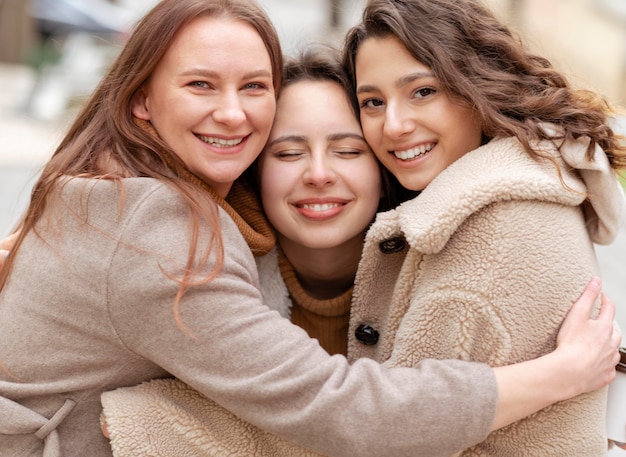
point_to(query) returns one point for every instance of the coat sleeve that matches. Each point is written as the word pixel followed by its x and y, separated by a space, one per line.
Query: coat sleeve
pixel 245 357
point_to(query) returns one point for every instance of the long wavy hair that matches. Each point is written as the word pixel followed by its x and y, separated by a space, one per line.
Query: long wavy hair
pixel 483 65
pixel 105 142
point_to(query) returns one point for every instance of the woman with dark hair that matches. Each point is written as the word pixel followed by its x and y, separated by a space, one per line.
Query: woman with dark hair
pixel 517 178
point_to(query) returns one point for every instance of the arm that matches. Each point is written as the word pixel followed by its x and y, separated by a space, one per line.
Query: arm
pixel 524 388
pixel 262 368
pixel 586 353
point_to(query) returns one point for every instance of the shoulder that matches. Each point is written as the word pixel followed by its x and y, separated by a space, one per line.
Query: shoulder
pixel 144 213
pixel 273 287
pixel 500 171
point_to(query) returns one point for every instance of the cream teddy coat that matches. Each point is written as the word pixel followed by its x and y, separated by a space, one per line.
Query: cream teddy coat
pixel 483 265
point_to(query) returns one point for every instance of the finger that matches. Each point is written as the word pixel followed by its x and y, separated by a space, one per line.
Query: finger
pixel 584 304
pixel 607 310
pixel 9 241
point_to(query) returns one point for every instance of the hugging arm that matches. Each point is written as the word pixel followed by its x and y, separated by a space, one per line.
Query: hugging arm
pixel 586 353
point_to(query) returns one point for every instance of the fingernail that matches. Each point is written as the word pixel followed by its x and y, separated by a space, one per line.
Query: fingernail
pixel 5 254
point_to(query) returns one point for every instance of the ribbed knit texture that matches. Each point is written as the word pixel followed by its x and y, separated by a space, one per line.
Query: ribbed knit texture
pixel 325 320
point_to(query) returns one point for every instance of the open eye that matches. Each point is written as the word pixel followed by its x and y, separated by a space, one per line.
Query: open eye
pixel 371 103
pixel 424 92
pixel 254 86
pixel 199 84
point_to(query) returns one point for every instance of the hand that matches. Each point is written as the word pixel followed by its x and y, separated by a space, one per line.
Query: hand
pixel 5 246
pixel 8 243
pixel 3 257
pixel 589 345
pixel 618 444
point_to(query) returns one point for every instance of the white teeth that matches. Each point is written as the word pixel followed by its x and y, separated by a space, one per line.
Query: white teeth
pixel 219 142
pixel 414 152
pixel 321 206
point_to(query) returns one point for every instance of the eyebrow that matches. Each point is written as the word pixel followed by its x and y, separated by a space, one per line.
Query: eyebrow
pixel 211 73
pixel 400 82
pixel 284 138
pixel 303 139
pixel 343 136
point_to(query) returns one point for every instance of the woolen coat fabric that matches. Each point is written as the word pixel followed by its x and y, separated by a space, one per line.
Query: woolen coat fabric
pixel 89 308
pixel 483 265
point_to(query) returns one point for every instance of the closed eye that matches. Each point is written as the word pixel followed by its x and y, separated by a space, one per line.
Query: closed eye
pixel 289 154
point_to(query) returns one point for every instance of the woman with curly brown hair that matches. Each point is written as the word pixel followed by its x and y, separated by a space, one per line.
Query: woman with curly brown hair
pixel 517 178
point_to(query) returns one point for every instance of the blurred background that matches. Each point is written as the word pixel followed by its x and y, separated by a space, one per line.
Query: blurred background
pixel 53 53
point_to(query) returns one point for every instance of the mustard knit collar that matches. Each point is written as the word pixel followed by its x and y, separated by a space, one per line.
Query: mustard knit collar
pixel 336 306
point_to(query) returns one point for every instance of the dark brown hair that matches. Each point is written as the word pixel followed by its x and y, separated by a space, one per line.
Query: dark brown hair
pixel 105 142
pixel 481 64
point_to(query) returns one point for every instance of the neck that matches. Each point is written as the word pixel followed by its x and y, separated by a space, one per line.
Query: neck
pixel 324 273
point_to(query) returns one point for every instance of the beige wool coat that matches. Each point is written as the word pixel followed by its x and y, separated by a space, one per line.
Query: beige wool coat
pixel 483 265
pixel 89 307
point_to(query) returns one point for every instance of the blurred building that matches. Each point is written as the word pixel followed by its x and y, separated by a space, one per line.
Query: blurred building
pixel 584 38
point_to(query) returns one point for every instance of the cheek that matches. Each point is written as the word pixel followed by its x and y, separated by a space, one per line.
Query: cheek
pixel 372 132
pixel 368 183
pixel 273 185
pixel 261 113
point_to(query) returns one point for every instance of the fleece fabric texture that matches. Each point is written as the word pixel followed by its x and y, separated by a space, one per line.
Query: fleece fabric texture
pixel 475 275
pixel 195 426
pixel 89 307
pixel 483 265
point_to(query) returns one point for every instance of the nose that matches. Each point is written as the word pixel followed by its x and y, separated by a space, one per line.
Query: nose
pixel 397 121
pixel 229 110
pixel 319 171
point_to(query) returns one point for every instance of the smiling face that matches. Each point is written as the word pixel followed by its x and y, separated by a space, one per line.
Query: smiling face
pixel 413 126
pixel 211 98
pixel 320 182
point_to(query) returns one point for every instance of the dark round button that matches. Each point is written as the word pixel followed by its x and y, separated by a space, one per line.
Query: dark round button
pixel 366 334
pixel 392 245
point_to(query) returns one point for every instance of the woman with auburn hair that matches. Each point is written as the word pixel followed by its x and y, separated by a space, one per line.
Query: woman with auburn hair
pixel 143 270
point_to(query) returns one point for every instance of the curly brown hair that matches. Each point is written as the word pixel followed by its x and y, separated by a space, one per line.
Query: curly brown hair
pixel 482 64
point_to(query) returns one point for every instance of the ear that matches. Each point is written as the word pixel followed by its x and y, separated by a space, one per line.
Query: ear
pixel 139 105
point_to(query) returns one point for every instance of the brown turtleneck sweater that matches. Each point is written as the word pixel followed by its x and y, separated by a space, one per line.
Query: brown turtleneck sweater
pixel 325 320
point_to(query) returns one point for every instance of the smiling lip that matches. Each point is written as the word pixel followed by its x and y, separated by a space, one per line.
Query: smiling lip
pixel 320 209
pixel 414 153
pixel 221 143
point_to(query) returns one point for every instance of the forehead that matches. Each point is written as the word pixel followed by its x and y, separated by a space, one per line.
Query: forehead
pixel 384 55
pixel 324 103
pixel 218 37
